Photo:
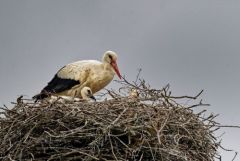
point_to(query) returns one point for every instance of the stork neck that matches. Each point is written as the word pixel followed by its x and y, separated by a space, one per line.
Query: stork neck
pixel 107 66
pixel 84 97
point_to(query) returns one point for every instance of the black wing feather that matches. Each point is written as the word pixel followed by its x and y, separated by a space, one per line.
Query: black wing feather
pixel 56 85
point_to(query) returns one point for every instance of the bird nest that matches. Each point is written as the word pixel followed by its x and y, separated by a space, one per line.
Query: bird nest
pixel 150 126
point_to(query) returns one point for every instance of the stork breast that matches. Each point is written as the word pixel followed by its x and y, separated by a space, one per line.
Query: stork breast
pixel 100 80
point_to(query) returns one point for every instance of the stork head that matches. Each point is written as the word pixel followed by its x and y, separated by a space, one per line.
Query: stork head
pixel 86 93
pixel 110 57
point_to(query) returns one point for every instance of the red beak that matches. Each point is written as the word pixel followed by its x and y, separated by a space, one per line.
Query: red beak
pixel 115 67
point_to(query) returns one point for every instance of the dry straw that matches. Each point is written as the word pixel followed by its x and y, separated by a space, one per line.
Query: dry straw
pixel 149 126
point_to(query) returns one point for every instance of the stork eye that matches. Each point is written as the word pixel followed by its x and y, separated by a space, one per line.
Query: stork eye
pixel 110 56
pixel 89 92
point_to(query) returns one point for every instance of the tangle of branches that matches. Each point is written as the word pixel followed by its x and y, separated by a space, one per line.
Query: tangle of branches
pixel 148 125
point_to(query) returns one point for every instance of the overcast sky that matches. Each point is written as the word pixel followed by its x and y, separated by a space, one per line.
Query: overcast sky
pixel 190 44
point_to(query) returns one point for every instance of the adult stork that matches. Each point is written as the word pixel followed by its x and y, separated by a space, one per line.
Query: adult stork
pixel 70 79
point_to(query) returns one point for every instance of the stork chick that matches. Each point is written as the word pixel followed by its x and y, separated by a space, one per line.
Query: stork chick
pixel 133 93
pixel 86 93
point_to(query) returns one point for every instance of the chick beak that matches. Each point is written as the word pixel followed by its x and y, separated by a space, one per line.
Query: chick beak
pixel 93 98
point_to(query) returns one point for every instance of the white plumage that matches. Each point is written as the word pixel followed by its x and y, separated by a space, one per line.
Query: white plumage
pixel 86 94
pixel 94 74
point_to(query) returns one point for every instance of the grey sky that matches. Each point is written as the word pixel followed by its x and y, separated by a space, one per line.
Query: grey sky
pixel 192 45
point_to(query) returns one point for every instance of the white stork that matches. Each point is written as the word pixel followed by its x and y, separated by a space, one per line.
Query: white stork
pixel 86 94
pixel 133 93
pixel 70 79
